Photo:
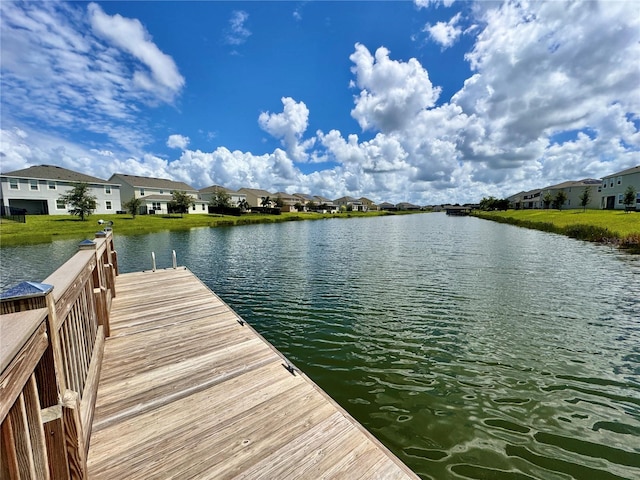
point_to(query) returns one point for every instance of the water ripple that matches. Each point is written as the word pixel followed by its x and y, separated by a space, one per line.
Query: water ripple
pixel 471 349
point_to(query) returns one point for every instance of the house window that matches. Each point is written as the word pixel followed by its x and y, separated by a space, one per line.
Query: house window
pixel 142 192
pixel 107 204
pixel 52 185
pixel 203 207
pixel 107 189
pixel 193 207
pixel 13 184
pixel 638 198
pixel 161 192
pixel 620 199
pixel 156 206
pixel 619 180
pixel 33 185
pixel 60 205
pixel 611 183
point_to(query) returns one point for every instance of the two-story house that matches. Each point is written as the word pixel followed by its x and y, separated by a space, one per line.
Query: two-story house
pixel 156 193
pixel 235 198
pixel 573 190
pixel 614 186
pixel 37 190
pixel 256 197
pixel 288 202
pixel 350 203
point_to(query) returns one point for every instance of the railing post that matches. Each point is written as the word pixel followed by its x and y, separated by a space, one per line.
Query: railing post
pixel 74 436
pixel 114 262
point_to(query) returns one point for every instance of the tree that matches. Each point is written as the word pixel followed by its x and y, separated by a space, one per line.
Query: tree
pixel 266 202
pixel 220 199
pixel 311 206
pixel 82 203
pixel 179 202
pixel 502 204
pixel 585 198
pixel 244 205
pixel 487 204
pixel 279 202
pixel 547 199
pixel 133 206
pixel 559 199
pixel 629 197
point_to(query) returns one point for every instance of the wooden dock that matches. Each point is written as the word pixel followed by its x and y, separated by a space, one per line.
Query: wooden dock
pixel 188 390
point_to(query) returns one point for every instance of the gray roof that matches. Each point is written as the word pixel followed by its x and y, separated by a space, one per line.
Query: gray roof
pixel 256 191
pixel 150 182
pixel 215 189
pixel 53 172
pixel 628 171
pixel 572 183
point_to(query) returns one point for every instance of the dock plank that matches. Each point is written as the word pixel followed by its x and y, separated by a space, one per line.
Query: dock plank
pixel 186 391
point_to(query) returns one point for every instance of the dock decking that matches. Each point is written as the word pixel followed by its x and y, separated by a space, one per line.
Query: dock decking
pixel 187 391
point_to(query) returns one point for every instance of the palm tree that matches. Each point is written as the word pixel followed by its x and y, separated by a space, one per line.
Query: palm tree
pixel 244 205
pixel 266 201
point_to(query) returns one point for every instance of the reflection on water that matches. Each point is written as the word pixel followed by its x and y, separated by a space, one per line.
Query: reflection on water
pixel 471 349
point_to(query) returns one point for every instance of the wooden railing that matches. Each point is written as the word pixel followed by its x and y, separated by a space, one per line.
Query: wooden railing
pixel 50 356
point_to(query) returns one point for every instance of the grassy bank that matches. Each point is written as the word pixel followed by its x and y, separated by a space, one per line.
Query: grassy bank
pixel 45 228
pixel 603 226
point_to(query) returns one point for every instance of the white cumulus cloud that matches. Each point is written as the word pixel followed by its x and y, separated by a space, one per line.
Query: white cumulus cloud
pixel 445 33
pixel 391 92
pixel 289 126
pixel 177 141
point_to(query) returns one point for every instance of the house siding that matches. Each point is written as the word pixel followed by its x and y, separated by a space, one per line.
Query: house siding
pixel 39 196
pixel 614 186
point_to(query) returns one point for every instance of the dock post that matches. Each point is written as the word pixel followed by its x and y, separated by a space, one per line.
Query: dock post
pixel 153 261
pixel 175 261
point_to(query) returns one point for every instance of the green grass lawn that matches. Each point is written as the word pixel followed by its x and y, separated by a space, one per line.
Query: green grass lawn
pixel 45 228
pixel 613 226
pixel 616 221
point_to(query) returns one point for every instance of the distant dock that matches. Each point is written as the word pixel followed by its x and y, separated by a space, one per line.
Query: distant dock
pixel 173 384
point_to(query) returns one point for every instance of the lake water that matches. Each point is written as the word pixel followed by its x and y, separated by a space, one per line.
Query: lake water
pixel 471 349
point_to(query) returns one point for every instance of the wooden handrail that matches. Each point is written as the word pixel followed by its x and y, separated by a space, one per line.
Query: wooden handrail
pixel 50 357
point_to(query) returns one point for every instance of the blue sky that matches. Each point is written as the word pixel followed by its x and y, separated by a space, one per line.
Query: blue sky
pixel 425 101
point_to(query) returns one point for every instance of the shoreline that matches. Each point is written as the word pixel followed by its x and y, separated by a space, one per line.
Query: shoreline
pixel 593 228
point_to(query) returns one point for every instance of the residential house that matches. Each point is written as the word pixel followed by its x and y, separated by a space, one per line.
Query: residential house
pixel 407 206
pixel 324 204
pixel 515 200
pixel 368 204
pixel 156 193
pixel 304 198
pixel 287 202
pixel 574 190
pixel 532 199
pixel 235 198
pixel 256 197
pixel 350 203
pixel 387 206
pixel 36 191
pixel 614 186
